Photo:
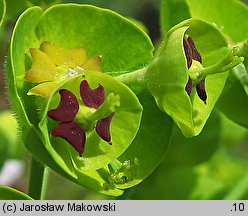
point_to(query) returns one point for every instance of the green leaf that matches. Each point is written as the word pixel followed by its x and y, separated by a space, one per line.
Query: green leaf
pixel 234 99
pixel 167 75
pixel 8 193
pixel 230 16
pixel 2 11
pixel 122 44
pixel 173 12
pixel 195 150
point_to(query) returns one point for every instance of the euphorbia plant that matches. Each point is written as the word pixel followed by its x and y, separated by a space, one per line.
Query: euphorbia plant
pixel 55 76
pixel 95 105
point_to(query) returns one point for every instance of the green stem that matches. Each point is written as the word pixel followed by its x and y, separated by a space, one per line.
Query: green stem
pixel 37 180
pixel 136 76
pixel 44 185
pixel 239 190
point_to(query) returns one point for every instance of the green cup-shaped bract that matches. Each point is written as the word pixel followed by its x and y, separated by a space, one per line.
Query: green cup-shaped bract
pixel 98 152
pixel 167 75
pixel 121 44
pixel 230 16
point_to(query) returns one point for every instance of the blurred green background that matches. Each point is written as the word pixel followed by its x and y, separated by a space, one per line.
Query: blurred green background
pixel 213 165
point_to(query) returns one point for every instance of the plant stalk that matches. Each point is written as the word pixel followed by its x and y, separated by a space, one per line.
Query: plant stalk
pixel 133 77
pixel 38 180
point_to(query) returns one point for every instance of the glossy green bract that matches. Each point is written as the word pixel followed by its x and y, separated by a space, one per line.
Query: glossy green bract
pixel 112 40
pixel 8 193
pixel 167 75
pixel 235 97
pixel 105 33
pixel 173 12
pixel 122 46
pixel 229 15
pixel 98 152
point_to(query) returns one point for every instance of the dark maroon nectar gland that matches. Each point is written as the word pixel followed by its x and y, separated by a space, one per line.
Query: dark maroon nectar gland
pixel 69 127
pixel 103 130
pixel 188 53
pixel 193 55
pixel 188 86
pixel 72 133
pixel 200 89
pixel 94 98
pixel 67 109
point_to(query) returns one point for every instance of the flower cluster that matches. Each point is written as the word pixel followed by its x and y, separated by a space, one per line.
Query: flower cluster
pixel 193 55
pixel 70 126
